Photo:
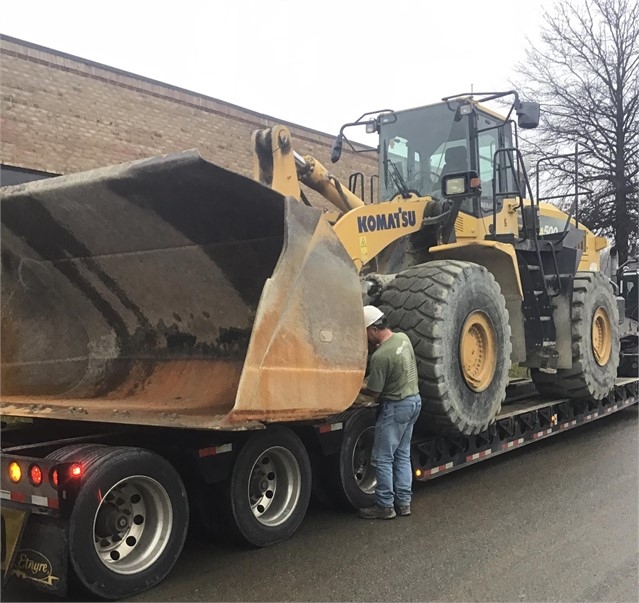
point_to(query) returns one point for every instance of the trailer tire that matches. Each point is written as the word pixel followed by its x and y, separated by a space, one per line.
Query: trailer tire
pixel 112 551
pixel 595 343
pixel 354 478
pixel 455 316
pixel 270 487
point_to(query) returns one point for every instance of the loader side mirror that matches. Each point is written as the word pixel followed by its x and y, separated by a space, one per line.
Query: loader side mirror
pixel 528 115
pixel 336 151
pixel 461 185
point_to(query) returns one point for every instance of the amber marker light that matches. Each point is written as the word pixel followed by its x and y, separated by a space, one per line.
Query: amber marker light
pixel 35 475
pixel 15 473
pixel 418 472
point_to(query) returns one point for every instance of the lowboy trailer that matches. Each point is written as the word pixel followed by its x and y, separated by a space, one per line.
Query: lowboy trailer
pixel 77 492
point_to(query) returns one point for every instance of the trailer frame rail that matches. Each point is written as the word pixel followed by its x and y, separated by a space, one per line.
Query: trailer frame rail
pixel 517 425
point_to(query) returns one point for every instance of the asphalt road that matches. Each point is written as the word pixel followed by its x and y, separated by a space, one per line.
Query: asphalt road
pixel 554 521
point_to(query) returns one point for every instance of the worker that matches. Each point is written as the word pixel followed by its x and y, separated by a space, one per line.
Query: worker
pixel 392 381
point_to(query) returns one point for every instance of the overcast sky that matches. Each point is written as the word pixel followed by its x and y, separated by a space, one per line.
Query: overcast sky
pixel 318 64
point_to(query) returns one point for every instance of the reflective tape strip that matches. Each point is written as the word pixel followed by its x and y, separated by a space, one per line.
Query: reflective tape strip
pixel 18 497
pixel 512 443
pixel 541 434
pixel 330 427
pixel 44 501
pixel 41 501
pixel 213 450
pixel 478 455
pixel 435 470
pixel 568 424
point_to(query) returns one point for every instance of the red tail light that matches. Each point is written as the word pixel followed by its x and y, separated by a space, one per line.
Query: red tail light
pixel 76 470
pixel 35 475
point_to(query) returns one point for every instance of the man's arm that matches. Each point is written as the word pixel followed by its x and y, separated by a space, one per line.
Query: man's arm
pixel 369 392
pixel 374 385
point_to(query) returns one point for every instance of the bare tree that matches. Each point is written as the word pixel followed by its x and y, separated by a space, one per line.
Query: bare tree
pixel 585 73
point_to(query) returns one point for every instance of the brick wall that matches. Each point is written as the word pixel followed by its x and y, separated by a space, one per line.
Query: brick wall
pixel 62 114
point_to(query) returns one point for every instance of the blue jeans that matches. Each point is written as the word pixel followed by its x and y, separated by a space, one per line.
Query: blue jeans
pixel 391 451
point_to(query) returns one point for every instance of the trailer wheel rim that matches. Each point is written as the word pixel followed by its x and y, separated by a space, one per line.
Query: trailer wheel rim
pixel 363 471
pixel 601 336
pixel 275 484
pixel 132 524
pixel 477 351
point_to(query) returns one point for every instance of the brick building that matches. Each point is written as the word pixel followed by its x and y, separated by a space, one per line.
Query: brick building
pixel 61 114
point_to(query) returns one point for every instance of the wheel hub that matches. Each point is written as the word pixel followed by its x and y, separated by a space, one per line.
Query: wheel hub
pixel 274 485
pixel 111 520
pixel 131 524
pixel 477 351
pixel 601 336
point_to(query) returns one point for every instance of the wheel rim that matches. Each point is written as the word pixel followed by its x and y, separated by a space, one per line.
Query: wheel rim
pixel 274 486
pixel 477 351
pixel 601 336
pixel 132 524
pixel 363 471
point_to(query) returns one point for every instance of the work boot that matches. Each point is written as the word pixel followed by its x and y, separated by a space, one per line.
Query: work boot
pixel 403 510
pixel 377 512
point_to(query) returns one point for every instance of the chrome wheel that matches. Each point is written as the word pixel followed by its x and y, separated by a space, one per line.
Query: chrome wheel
pixel 363 471
pixel 132 524
pixel 274 486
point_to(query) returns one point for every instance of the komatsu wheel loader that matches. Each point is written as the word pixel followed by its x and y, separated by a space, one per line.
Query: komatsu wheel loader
pixel 170 291
pixel 461 258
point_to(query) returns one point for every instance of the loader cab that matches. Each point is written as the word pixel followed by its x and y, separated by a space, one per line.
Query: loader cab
pixel 628 281
pixel 420 146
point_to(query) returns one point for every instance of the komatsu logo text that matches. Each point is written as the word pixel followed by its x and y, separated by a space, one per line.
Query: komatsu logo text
pixel 398 219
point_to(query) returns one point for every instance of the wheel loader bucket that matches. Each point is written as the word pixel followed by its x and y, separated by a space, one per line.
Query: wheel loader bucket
pixel 171 291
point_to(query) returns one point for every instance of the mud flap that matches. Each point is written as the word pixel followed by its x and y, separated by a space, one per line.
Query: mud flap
pixel 12 523
pixel 41 558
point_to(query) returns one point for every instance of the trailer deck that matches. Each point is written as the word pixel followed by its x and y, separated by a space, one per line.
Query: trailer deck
pixel 524 418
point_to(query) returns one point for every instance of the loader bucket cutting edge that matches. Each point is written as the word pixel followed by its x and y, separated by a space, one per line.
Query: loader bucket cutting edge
pixel 172 291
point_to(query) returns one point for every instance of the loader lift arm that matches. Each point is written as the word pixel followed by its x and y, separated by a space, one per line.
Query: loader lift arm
pixel 364 229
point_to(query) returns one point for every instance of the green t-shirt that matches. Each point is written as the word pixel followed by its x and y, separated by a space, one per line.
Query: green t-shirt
pixel 393 372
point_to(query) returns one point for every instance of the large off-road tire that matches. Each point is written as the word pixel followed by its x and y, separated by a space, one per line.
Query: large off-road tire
pixel 129 519
pixel 456 318
pixel 595 343
pixel 270 487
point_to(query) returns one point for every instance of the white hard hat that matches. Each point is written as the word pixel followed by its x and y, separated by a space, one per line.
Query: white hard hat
pixel 372 315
